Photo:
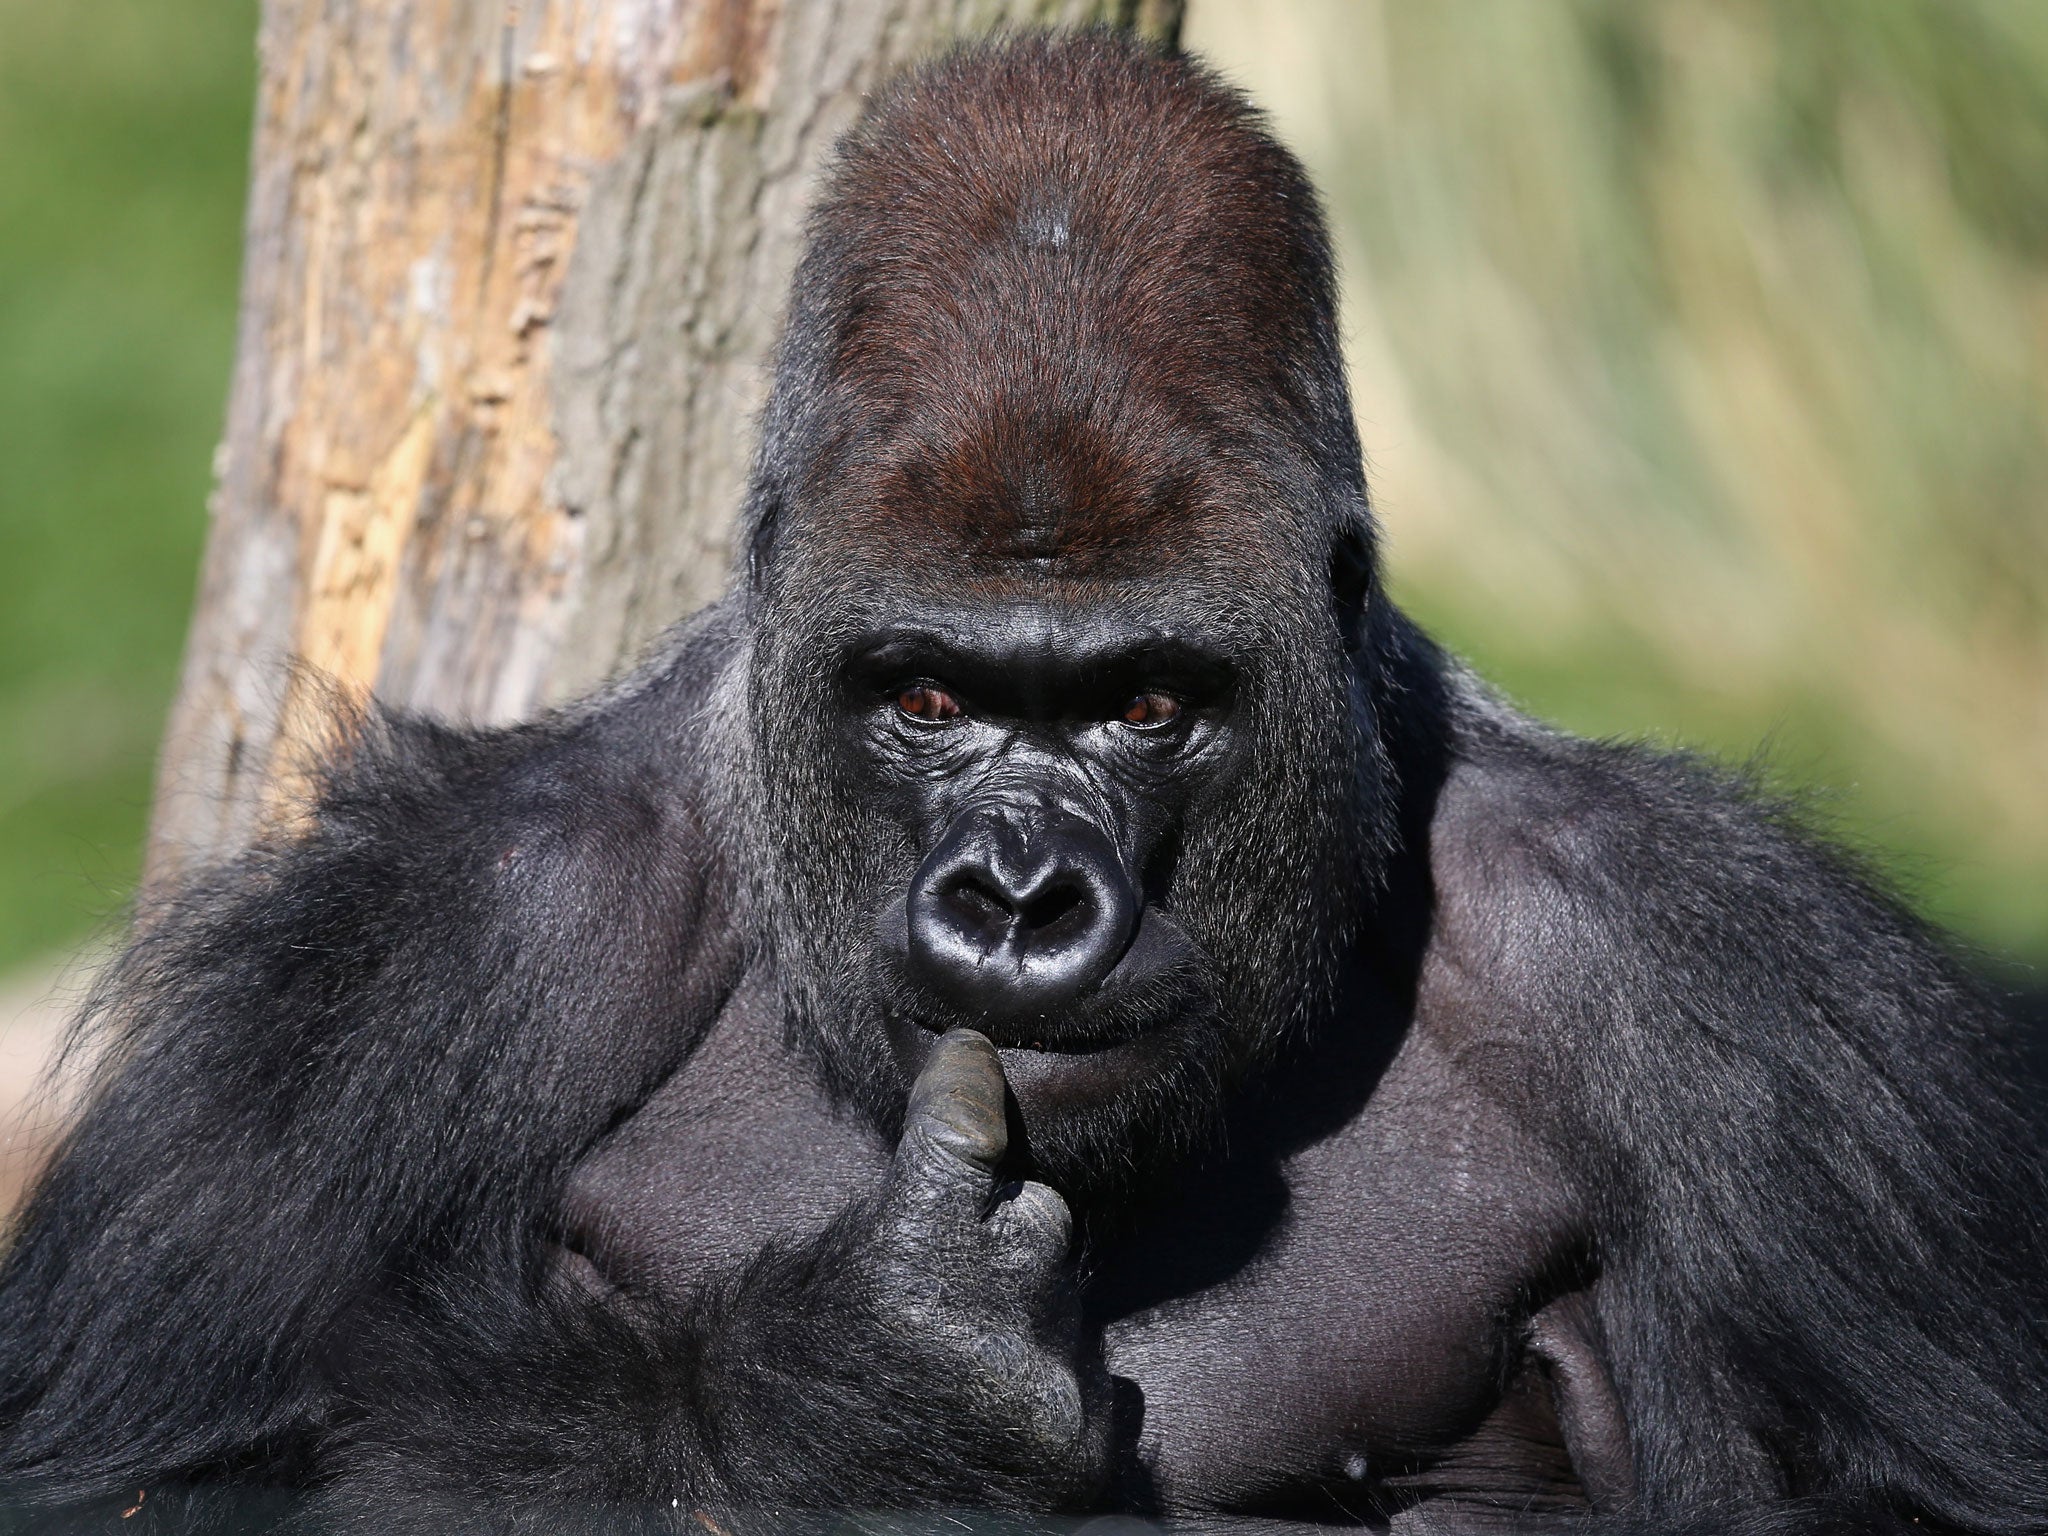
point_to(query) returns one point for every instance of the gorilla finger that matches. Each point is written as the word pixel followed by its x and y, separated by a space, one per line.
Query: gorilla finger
pixel 1032 1219
pixel 1002 1356
pixel 957 1111
pixel 1044 1395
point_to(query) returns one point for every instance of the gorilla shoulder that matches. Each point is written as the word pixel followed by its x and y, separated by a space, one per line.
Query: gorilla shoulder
pixel 1568 873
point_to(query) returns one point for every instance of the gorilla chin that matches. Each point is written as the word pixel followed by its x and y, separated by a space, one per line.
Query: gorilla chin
pixel 1115 1078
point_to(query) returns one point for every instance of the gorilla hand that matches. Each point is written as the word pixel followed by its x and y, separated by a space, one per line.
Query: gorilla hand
pixel 977 1273
pixel 928 1349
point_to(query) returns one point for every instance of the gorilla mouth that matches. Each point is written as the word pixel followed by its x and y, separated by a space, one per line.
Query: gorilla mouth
pixel 1157 977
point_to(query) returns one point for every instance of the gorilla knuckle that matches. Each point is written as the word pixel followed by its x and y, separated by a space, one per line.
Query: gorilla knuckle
pixel 935 1174
pixel 1058 1414
pixel 1033 1223
pixel 1000 1354
pixel 1032 1389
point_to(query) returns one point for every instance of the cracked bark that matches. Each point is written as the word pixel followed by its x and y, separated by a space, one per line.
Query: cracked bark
pixel 513 271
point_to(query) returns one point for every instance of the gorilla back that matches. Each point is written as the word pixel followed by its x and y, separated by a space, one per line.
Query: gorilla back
pixel 1051 997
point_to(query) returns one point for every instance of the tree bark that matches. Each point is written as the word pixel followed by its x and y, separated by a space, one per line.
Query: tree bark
pixel 513 273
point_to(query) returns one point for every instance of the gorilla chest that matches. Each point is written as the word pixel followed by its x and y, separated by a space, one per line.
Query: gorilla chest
pixel 1336 1332
pixel 738 1149
pixel 1343 1333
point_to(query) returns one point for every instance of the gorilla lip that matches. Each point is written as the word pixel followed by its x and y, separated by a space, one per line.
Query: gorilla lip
pixel 1159 957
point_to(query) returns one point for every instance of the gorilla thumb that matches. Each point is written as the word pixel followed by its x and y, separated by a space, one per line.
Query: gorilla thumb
pixel 957 1108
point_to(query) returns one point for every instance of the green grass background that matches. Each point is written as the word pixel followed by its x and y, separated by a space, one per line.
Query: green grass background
pixel 123 155
pixel 1701 346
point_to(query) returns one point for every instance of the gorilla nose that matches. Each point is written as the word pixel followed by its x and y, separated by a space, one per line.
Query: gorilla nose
pixel 1017 913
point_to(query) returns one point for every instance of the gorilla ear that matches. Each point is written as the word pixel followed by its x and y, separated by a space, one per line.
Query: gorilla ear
pixel 1351 581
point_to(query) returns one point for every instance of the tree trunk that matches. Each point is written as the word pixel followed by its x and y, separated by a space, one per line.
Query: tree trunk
pixel 514 270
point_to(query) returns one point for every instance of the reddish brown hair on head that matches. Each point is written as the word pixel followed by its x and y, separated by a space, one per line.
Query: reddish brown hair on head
pixel 1055 285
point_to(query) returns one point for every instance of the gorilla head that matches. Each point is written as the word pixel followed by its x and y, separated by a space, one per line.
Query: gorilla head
pixel 1059 561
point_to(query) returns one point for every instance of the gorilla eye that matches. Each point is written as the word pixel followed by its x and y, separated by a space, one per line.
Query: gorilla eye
pixel 1150 709
pixel 924 701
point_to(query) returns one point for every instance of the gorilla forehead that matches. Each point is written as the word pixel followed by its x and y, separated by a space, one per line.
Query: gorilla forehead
pixel 1087 484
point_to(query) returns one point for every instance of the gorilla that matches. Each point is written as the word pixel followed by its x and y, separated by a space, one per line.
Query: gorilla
pixel 1051 998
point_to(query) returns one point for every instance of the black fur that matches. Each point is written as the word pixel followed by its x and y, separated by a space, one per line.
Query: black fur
pixel 1524 1133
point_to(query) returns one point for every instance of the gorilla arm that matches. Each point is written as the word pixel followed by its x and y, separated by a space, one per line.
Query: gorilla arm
pixel 920 1352
pixel 305 1215
pixel 1816 1207
pixel 349 1062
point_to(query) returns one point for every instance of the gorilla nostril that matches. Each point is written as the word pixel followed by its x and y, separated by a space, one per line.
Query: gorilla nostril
pixel 1047 910
pixel 986 907
pixel 980 905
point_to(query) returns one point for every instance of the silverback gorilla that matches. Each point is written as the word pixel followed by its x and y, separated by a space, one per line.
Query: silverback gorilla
pixel 1053 997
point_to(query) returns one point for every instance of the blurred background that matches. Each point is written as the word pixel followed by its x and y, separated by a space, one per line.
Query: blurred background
pixel 123 148
pixel 1701 352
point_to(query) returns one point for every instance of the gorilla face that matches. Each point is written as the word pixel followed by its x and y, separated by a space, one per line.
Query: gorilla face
pixel 1040 763
pixel 1112 822
pixel 1051 722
